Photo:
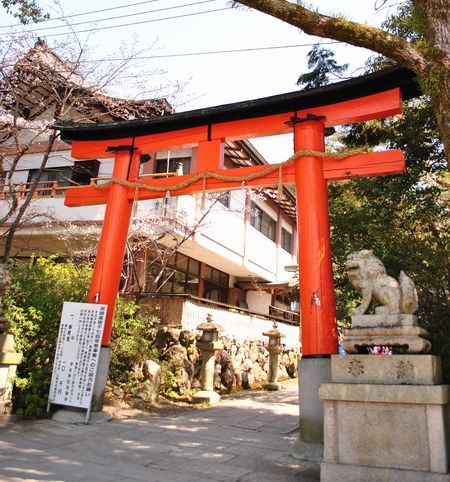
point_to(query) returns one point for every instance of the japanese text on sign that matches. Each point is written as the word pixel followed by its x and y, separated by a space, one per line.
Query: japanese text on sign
pixel 77 354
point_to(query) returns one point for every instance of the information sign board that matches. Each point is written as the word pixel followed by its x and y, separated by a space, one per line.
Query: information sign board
pixel 77 354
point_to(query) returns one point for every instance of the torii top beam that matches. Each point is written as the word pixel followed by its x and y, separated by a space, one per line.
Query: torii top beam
pixel 354 100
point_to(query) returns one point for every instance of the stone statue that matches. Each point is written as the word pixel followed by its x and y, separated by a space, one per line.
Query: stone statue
pixel 368 275
pixel 393 325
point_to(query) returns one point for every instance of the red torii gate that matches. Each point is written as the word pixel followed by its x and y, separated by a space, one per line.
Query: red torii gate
pixel 307 114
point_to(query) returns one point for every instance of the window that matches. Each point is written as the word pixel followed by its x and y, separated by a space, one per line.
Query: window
pixel 80 173
pixel 84 171
pixel 262 222
pixel 62 175
pixel 286 240
pixel 163 165
pixel 216 285
pixel 180 276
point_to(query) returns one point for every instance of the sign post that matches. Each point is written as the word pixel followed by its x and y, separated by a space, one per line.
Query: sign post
pixel 77 355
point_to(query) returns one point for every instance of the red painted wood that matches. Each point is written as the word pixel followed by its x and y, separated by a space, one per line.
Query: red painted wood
pixel 111 248
pixel 319 329
pixel 370 164
pixel 309 174
pixel 149 143
pixel 385 163
pixel 209 155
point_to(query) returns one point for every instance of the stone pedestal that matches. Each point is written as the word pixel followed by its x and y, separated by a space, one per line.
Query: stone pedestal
pixel 9 360
pixel 385 419
pixel 397 331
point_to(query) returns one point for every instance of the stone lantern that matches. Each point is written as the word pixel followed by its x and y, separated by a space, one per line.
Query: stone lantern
pixel 274 349
pixel 208 344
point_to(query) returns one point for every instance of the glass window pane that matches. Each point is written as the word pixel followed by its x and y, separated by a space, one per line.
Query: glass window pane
pixel 216 275
pixel 224 198
pixel 171 260
pixel 192 285
pixel 163 166
pixel 224 279
pixel 182 262
pixel 179 282
pixel 194 266
pixel 286 240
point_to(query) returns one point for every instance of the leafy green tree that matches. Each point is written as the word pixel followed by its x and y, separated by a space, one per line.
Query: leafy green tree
pixel 25 11
pixel 420 43
pixel 130 340
pixel 322 62
pixel 404 219
pixel 33 306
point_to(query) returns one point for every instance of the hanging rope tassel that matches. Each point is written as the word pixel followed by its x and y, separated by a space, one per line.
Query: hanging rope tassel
pixel 280 195
pixel 203 193
pixel 135 203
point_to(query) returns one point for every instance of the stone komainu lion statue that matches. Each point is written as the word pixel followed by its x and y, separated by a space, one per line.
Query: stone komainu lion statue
pixel 368 275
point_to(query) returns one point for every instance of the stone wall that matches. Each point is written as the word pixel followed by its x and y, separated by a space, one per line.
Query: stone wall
pixel 240 365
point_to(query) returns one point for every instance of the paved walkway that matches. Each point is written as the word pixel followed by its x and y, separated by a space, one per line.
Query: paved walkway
pixel 245 438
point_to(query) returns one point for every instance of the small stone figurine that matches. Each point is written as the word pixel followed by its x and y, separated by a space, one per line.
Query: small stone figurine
pixel 368 276
pixel 393 325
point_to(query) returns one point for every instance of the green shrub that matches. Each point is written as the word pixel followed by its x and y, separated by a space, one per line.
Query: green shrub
pixel 130 341
pixel 33 305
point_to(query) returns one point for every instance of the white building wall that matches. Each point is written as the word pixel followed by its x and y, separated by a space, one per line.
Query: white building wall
pixel 219 240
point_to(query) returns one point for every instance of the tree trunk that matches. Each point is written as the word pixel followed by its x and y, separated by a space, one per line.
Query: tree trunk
pixel 436 17
pixel 17 220
pixel 431 62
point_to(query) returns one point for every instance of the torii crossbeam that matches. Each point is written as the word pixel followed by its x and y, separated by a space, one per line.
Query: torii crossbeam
pixel 307 114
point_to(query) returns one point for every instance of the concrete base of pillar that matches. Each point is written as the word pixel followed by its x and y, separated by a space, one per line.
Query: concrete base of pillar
pixel 208 396
pixel 308 452
pixel 78 416
pixel 272 386
pixel 101 379
pixel 312 372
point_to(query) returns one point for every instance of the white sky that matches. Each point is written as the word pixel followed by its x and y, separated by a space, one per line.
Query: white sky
pixel 219 78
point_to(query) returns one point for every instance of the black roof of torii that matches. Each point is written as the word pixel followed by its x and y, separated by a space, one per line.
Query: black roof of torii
pixel 341 91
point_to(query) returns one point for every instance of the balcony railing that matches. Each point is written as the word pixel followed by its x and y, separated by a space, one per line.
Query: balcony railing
pixel 284 315
pixel 44 189
pixel 52 189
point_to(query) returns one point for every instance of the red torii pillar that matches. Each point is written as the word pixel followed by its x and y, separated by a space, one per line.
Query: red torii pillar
pixel 319 330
